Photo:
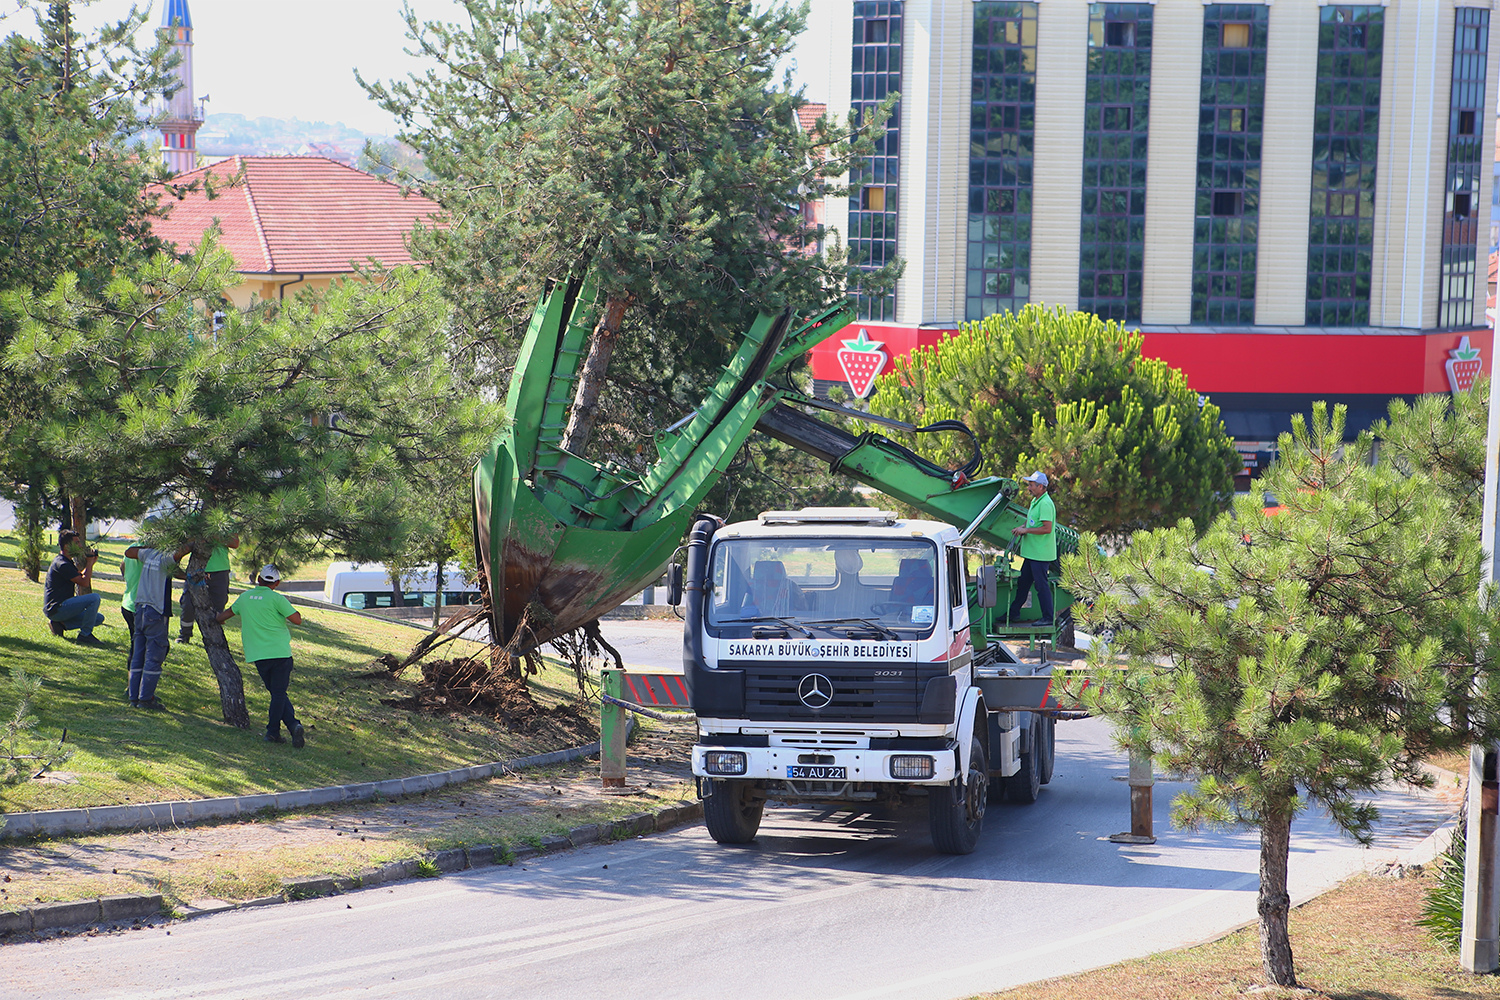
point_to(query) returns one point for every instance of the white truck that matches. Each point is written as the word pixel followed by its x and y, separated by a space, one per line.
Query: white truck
pixel 841 655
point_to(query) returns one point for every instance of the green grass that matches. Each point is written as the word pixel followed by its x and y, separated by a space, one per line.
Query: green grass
pixel 127 755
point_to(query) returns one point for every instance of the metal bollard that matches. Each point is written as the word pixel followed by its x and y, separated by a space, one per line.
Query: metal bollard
pixel 612 730
pixel 1141 782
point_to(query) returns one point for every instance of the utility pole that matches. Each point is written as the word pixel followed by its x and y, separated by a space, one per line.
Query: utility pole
pixel 1479 941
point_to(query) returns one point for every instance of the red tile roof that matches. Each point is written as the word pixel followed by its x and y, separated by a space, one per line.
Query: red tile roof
pixel 299 214
pixel 810 113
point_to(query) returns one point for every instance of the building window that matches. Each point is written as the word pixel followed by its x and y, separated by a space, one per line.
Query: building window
pixel 1466 160
pixel 1346 125
pixel 1116 119
pixel 1236 36
pixel 1119 34
pixel 1231 120
pixel 1117 98
pixel 874 189
pixel 1226 211
pixel 1001 133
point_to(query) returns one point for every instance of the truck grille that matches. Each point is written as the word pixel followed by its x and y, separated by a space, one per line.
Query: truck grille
pixel 862 692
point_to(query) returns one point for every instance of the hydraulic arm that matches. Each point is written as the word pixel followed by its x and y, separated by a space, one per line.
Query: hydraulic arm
pixel 562 540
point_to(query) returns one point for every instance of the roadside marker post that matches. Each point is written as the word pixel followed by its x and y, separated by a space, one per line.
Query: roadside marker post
pixel 1479 939
pixel 621 689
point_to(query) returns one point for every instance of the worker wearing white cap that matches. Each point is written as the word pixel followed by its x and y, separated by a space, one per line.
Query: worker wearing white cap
pixel 1038 551
pixel 268 644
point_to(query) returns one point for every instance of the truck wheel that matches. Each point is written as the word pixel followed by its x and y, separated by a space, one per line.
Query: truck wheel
pixel 1026 783
pixel 1048 758
pixel 732 810
pixel 956 812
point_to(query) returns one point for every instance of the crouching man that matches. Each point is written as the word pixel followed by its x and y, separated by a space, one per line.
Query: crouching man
pixel 68 599
pixel 267 639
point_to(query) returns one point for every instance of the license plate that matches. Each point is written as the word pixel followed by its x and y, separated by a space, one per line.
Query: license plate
pixel 816 772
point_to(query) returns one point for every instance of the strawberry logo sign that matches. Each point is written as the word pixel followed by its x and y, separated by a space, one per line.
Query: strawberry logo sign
pixel 1463 366
pixel 862 359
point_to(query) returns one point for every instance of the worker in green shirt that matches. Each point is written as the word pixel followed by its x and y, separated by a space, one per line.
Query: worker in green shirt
pixel 217 587
pixel 1038 550
pixel 264 615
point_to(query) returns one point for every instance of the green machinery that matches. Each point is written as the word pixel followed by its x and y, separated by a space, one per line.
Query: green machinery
pixel 563 540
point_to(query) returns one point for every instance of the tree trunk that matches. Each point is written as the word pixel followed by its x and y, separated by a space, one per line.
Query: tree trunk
pixel 1274 904
pixel 437 605
pixel 220 660
pixel 591 376
pixel 79 511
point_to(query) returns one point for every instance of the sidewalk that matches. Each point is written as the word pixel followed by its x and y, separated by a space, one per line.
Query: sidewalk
pixel 186 871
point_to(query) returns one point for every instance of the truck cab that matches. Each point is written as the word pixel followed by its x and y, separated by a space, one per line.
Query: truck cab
pixel 829 656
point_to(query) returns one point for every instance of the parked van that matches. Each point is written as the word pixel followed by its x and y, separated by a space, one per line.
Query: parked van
pixel 368 585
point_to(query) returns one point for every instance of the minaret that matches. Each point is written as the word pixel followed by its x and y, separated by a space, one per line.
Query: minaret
pixel 182 118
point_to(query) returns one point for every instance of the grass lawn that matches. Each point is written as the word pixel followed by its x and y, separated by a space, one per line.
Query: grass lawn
pixel 1358 942
pixel 128 755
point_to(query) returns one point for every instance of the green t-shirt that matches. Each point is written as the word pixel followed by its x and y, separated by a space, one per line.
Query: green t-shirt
pixel 263 628
pixel 130 569
pixel 1040 547
pixel 217 560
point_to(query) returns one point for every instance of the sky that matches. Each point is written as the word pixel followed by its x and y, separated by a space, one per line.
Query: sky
pixel 296 58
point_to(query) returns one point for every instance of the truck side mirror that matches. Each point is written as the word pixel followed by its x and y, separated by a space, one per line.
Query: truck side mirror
pixel 989 586
pixel 674 584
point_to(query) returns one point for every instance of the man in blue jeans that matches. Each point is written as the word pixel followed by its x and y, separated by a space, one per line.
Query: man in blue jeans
pixel 149 650
pixel 68 598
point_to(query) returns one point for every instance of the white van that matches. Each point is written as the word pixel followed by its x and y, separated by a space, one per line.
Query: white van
pixel 368 585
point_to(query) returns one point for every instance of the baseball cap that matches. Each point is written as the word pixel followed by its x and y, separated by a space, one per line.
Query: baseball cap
pixel 269 574
pixel 1036 477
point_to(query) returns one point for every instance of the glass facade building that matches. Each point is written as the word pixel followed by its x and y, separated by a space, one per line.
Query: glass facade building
pixel 1227 203
pixel 1002 136
pixel 874 194
pixel 1467 111
pixel 1346 130
pixel 1116 118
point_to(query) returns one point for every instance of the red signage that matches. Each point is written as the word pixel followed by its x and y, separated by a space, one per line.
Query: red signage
pixel 1390 364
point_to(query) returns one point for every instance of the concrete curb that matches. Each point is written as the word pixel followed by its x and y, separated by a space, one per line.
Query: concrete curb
pixel 101 819
pixel 83 912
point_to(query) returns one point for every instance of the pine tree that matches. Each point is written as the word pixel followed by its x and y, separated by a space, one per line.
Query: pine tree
pixel 1126 442
pixel 648 140
pixel 297 421
pixel 1299 659
pixel 71 183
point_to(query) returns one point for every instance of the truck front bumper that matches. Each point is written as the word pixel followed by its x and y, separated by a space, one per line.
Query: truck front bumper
pixel 798 764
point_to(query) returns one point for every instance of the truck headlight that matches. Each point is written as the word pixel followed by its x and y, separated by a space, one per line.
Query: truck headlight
pixel 724 762
pixel 918 767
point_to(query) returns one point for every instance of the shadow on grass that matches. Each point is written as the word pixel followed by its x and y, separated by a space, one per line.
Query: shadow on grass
pixel 17 644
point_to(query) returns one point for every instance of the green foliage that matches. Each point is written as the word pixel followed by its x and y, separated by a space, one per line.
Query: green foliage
pixel 23 754
pixel 650 140
pixel 1302 658
pixel 1443 910
pixel 71 201
pixel 1442 436
pixel 1122 437
pixel 300 422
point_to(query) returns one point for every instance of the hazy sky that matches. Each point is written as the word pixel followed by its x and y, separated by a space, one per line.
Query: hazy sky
pixel 296 58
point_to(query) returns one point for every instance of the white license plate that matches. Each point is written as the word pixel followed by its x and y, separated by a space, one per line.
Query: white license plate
pixel 816 772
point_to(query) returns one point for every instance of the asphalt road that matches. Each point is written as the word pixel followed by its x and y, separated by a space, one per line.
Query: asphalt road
pixel 833 906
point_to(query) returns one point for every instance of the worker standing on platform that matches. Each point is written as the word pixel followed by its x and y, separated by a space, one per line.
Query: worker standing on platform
pixel 1038 550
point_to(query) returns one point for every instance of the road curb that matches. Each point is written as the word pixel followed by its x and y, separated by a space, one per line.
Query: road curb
pixel 80 913
pixel 434 864
pixel 156 815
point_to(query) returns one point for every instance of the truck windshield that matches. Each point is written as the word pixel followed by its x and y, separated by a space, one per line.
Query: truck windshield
pixel 825 581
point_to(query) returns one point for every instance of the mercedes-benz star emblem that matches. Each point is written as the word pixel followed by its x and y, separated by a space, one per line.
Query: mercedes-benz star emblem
pixel 816 691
